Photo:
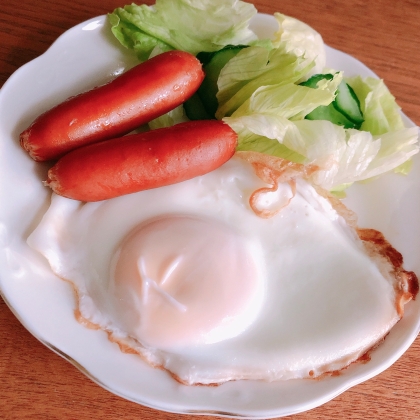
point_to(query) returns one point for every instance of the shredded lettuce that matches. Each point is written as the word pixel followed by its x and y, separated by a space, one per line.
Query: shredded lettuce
pixel 188 25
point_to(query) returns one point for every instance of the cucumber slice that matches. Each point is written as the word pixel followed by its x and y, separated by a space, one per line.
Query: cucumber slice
pixel 347 102
pixel 344 110
pixel 214 63
pixel 330 113
pixel 205 56
pixel 194 109
pixel 312 82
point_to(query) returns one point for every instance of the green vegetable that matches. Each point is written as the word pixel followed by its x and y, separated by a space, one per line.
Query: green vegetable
pixel 313 81
pixel 195 109
pixel 289 101
pixel 344 110
pixel 296 37
pixel 169 119
pixel 330 113
pixel 381 112
pixel 348 104
pixel 129 35
pixel 343 155
pixel 187 25
pixel 252 68
pixel 213 64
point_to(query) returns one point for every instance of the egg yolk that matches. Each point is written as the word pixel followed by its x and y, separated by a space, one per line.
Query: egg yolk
pixel 180 280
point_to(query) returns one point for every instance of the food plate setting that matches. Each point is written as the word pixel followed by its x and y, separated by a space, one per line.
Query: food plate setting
pixel 86 56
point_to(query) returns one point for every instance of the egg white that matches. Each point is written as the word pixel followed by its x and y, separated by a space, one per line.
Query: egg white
pixel 323 302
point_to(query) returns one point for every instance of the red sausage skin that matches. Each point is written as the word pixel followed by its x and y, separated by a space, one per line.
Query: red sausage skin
pixel 136 97
pixel 142 161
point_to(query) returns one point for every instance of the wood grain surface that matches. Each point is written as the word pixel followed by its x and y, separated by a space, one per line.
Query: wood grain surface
pixel 36 383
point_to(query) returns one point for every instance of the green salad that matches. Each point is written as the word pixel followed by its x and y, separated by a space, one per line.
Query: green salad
pixel 277 94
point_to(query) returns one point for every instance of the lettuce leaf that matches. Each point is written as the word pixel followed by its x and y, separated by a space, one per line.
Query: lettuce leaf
pixel 344 156
pixel 289 100
pixel 295 36
pixel 380 110
pixel 175 116
pixel 186 25
pixel 269 134
pixel 252 68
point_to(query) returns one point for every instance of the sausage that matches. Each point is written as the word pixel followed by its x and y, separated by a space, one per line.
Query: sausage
pixel 141 94
pixel 142 161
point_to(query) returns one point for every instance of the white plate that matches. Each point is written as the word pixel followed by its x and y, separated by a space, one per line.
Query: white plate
pixel 84 57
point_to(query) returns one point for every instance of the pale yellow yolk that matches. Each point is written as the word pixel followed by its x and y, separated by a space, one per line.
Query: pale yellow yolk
pixel 181 280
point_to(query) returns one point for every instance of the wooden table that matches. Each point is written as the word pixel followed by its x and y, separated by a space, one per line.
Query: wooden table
pixel 36 383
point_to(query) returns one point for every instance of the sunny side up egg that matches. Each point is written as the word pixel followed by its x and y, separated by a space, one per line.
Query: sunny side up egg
pixel 190 278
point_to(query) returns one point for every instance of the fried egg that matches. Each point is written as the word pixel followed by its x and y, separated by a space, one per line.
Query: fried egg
pixel 189 277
